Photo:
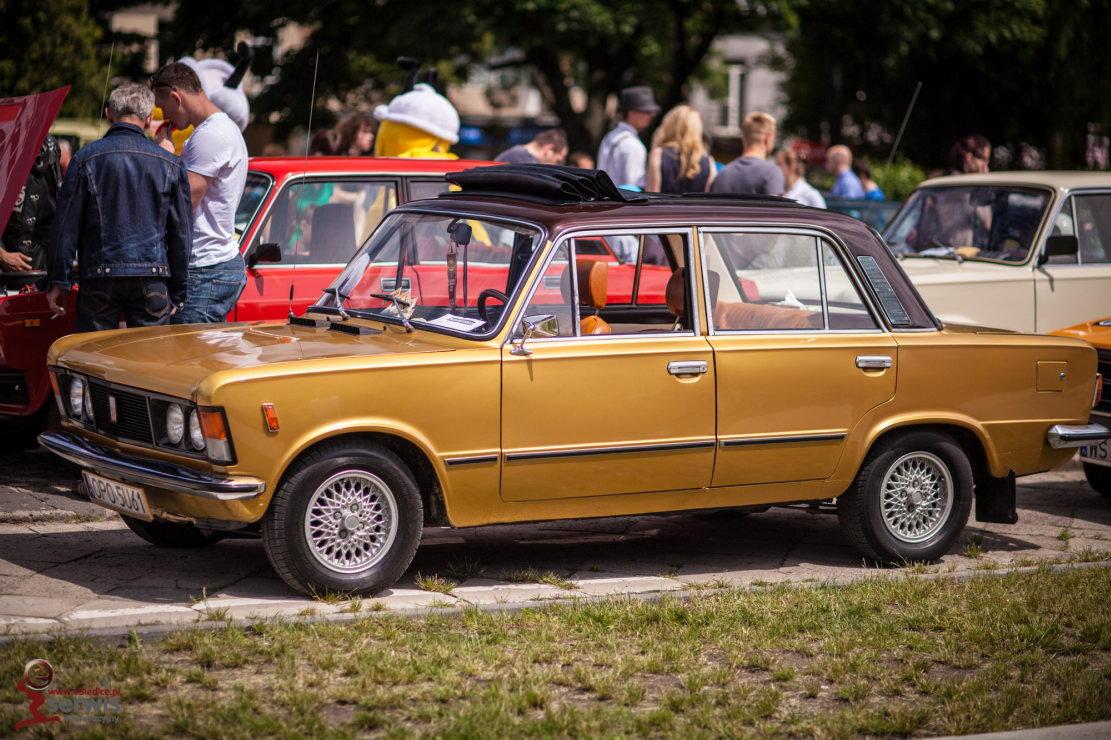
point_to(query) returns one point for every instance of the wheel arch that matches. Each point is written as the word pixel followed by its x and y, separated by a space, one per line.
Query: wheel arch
pixel 413 452
pixel 972 438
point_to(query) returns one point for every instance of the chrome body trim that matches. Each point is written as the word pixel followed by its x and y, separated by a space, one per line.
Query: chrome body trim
pixel 470 460
pixel 1062 436
pixel 582 452
pixel 145 472
pixel 785 439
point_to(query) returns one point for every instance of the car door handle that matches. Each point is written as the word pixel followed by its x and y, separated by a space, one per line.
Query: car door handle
pixel 695 367
pixel 873 362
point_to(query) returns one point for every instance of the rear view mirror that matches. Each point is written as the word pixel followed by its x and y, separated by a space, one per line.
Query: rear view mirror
pixel 1059 245
pixel 266 252
pixel 460 232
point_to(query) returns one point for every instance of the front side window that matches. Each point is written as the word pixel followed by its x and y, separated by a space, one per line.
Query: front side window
pixel 993 222
pixel 322 222
pixel 1093 227
pixel 441 271
pixel 761 281
pixel 608 296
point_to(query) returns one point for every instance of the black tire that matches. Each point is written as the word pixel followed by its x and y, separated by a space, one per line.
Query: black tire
pixel 335 464
pixel 1099 478
pixel 859 509
pixel 174 535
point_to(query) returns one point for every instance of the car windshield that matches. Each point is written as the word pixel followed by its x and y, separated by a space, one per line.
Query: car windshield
pixel 254 191
pixel 975 222
pixel 441 271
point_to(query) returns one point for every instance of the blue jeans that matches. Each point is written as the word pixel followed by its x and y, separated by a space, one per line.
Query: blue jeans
pixel 212 292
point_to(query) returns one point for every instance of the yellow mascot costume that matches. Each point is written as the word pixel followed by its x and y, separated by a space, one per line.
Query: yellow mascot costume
pixel 420 123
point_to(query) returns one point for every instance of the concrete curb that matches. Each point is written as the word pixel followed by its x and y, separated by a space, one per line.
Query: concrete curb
pixel 123 633
pixel 50 516
pixel 1088 730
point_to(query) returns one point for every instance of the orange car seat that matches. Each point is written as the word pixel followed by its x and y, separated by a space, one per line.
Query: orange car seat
pixel 593 279
pixel 757 316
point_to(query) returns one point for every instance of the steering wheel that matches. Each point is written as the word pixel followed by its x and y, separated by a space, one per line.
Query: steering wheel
pixel 489 293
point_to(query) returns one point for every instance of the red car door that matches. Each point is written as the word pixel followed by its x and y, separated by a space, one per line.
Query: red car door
pixel 317 224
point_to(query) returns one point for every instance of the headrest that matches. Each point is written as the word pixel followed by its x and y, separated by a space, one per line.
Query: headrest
pixel 675 294
pixel 593 277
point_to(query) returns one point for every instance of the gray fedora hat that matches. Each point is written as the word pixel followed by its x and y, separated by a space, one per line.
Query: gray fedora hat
pixel 638 98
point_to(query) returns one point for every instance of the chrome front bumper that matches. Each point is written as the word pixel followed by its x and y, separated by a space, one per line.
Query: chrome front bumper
pixel 153 473
pixel 1061 436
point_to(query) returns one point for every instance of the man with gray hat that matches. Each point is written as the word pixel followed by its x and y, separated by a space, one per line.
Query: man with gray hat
pixel 622 154
pixel 125 215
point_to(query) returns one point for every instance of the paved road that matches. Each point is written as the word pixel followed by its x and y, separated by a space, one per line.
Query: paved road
pixel 66 564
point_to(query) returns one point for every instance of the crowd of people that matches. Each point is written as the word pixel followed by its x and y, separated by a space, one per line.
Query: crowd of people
pixel 152 233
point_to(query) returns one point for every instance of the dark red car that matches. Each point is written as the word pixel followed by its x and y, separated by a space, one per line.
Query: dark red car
pixel 299 222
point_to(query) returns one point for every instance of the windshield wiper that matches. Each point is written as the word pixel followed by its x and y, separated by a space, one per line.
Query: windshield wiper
pixel 340 298
pixel 397 304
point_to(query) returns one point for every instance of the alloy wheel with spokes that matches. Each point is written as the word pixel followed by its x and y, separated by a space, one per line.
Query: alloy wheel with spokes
pixel 351 522
pixel 916 496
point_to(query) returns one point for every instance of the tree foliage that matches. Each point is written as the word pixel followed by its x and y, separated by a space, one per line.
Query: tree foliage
pixel 48 44
pixel 596 46
pixel 1013 70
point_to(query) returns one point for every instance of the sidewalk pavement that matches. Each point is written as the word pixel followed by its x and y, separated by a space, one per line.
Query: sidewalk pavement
pixel 80 569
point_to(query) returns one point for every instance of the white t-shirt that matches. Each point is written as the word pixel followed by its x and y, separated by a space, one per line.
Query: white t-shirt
pixel 805 193
pixel 216 150
pixel 622 156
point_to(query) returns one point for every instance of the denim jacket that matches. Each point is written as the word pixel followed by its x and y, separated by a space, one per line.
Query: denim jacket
pixel 124 211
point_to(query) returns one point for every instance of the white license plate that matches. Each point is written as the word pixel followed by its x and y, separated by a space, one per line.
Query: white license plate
pixel 121 497
pixel 1097 454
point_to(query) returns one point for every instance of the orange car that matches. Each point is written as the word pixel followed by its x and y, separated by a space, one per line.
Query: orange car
pixel 1096 458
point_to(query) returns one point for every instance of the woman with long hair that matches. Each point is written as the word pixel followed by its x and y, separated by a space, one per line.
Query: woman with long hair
pixel 356 134
pixel 678 162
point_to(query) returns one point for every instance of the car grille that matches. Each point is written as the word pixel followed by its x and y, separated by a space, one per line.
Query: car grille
pixel 13 388
pixel 1105 369
pixel 132 414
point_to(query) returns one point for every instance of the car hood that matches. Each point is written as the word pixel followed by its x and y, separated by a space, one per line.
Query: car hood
pixel 932 271
pixel 175 359
pixel 1096 332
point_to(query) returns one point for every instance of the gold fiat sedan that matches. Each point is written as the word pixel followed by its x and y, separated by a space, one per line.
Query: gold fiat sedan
pixel 541 345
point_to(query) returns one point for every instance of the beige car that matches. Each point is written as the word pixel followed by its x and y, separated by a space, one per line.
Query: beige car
pixel 1027 251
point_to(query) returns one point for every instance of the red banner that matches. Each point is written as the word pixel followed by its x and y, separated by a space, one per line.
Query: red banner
pixel 24 123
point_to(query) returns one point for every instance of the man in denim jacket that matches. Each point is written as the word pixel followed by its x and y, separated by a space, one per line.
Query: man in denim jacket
pixel 125 214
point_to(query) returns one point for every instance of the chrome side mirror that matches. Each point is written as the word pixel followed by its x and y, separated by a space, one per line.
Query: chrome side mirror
pixel 545 325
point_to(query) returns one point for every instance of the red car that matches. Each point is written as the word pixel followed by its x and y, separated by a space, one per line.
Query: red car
pixel 299 221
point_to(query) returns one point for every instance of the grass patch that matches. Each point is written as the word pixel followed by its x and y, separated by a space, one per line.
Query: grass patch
pixel 535 575
pixel 883 657
pixel 435 583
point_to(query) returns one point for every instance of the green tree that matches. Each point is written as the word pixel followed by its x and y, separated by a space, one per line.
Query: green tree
pixel 1013 70
pixel 50 43
pixel 593 46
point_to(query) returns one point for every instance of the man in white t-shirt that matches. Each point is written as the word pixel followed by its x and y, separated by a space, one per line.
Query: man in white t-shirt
pixel 215 157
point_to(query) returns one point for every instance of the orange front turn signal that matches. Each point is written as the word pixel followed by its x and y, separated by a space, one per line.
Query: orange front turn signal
pixel 1098 395
pixel 271 416
pixel 217 441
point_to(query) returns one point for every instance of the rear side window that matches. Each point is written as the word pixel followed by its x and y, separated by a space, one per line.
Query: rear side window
pixel 763 281
pixel 890 302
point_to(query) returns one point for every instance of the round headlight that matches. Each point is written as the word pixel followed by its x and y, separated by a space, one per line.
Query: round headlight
pixel 77 396
pixel 196 437
pixel 175 424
